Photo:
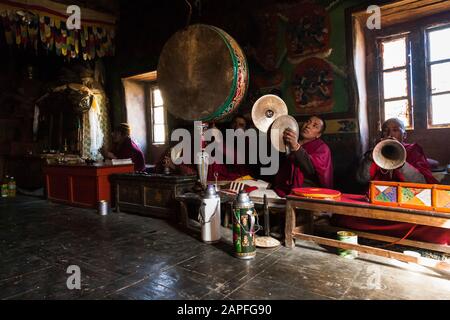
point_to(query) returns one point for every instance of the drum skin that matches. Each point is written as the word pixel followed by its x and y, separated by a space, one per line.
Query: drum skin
pixel 202 74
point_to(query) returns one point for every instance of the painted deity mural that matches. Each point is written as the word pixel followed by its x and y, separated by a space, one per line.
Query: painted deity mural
pixel 300 57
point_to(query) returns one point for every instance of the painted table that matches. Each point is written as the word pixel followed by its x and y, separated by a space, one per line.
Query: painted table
pixel 81 185
pixel 151 194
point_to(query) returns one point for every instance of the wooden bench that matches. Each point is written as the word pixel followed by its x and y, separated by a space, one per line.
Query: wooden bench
pixel 353 205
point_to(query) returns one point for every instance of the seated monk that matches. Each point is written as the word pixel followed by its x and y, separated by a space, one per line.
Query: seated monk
pixel 166 162
pixel 309 164
pixel 416 169
pixel 230 172
pixel 125 148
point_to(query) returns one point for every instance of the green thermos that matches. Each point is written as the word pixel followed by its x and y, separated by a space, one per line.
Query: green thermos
pixel 243 227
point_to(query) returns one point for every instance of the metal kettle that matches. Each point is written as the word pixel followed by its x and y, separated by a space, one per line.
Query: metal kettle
pixel 209 215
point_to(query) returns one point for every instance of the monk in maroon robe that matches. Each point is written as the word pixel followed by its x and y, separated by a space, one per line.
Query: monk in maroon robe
pixel 230 172
pixel 125 148
pixel 165 162
pixel 416 169
pixel 309 164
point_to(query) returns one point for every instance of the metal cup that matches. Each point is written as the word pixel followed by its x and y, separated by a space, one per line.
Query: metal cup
pixel 103 207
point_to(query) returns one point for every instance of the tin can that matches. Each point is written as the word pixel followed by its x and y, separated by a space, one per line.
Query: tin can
pixel 243 227
pixel 347 237
pixel 103 207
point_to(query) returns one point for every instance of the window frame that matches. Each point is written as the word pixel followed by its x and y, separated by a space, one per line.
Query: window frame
pixel 428 64
pixel 149 89
pixel 407 68
pixel 420 75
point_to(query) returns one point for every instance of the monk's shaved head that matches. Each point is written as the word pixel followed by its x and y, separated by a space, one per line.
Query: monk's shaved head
pixel 394 128
pixel 396 121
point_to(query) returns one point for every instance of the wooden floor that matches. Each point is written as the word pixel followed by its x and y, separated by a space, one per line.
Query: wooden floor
pixel 124 256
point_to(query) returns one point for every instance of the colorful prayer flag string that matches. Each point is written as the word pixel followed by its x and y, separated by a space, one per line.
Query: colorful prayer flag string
pixel 51 33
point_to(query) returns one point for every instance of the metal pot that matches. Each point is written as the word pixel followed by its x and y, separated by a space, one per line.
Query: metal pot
pixel 103 207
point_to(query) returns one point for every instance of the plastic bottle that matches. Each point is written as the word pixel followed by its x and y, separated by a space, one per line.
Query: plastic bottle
pixel 4 186
pixel 12 187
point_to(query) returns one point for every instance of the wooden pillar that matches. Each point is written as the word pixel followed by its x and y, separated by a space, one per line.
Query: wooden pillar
pixel 117 198
pixel 184 214
pixel 289 241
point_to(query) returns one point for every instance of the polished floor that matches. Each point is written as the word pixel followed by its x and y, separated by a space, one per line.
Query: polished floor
pixel 125 256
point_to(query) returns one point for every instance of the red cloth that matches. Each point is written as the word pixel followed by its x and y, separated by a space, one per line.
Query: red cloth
pixel 249 189
pixel 130 150
pixel 394 229
pixel 228 172
pixel 290 175
pixel 416 158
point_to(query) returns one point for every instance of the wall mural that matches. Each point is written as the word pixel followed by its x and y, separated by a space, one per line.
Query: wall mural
pixel 308 31
pixel 267 53
pixel 336 126
pixel 312 87
pixel 300 56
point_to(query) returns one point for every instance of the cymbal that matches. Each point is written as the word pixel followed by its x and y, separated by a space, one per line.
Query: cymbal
pixel 266 110
pixel 278 127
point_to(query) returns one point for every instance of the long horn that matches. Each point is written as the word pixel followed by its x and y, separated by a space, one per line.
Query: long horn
pixel 389 154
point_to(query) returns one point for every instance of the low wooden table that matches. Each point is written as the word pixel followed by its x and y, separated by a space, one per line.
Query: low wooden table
pixel 195 199
pixel 151 194
pixel 226 200
pixel 357 206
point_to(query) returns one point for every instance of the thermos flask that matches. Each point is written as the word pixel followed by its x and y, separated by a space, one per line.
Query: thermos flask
pixel 209 215
pixel 243 227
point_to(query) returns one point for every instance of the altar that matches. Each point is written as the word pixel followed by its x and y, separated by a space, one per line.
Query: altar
pixel 82 185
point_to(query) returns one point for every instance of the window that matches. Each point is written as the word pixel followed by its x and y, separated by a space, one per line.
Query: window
pixel 403 70
pixel 146 114
pixel 419 56
pixel 395 74
pixel 439 76
pixel 158 116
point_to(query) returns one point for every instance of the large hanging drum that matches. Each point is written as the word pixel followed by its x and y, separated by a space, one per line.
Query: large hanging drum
pixel 202 73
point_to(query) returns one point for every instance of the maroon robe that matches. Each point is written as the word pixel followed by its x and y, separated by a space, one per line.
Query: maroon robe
pixel 130 150
pixel 291 176
pixel 228 172
pixel 416 158
pixel 181 169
